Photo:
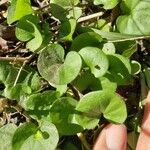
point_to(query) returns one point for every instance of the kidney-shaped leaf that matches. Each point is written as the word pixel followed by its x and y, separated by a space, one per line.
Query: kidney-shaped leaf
pixel 55 69
pixel 136 18
pixel 18 9
pixel 95 59
pixel 93 104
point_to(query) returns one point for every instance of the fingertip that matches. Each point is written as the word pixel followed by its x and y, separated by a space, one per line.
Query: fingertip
pixel 116 137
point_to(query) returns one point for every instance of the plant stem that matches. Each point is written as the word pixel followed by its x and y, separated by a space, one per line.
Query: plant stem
pixel 83 140
pixel 95 15
pixel 23 65
pixel 20 59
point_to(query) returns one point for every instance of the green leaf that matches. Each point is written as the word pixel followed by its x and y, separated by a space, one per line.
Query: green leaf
pixel 18 92
pixel 54 69
pixel 6 134
pixel 126 48
pixel 119 69
pixel 38 105
pixel 136 17
pixel 101 24
pixel 58 12
pixel 108 4
pixel 118 37
pixel 93 104
pixel 103 83
pixel 18 9
pixel 85 40
pixel 65 3
pixel 27 30
pixel 67 29
pixel 109 48
pixel 22 133
pixel 35 138
pixel 61 115
pixel 95 59
pixel 83 81
pixel 75 13
pixel 44 139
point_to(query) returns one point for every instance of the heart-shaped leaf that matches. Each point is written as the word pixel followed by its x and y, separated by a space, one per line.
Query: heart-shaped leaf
pixel 55 69
pixel 93 104
pixel 136 17
pixel 95 59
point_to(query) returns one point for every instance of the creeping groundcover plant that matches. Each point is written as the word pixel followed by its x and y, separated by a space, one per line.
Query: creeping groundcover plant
pixel 68 68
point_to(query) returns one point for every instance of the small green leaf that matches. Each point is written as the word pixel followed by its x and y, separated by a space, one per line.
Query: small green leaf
pixel 109 48
pixel 101 24
pixel 108 4
pixel 18 9
pixel 95 59
pixel 136 17
pixel 93 104
pixel 54 69
pixel 61 115
pixel 27 30
pixel 67 29
pixel 6 134
pixel 85 40
pixel 119 69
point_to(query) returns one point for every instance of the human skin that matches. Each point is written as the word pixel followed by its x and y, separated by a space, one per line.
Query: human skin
pixel 114 137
